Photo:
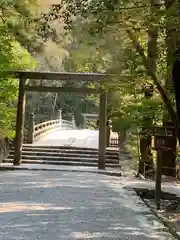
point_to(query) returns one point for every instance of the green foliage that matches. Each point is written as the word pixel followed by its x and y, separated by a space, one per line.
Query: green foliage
pixel 20 59
pixel 102 45
pixel 12 56
pixel 94 33
pixel 20 18
pixel 91 125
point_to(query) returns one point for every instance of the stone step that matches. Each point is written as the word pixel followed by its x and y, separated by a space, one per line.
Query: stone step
pixel 115 154
pixel 64 153
pixel 58 147
pixel 70 163
pixel 71 148
pixel 47 149
pixel 65 158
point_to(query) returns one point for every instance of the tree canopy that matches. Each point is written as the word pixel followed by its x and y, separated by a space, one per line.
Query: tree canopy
pixel 135 40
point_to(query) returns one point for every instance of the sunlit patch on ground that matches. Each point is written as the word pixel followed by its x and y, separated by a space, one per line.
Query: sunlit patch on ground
pixel 21 206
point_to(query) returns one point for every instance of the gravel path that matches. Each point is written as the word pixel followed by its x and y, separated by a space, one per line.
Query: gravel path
pixel 70 205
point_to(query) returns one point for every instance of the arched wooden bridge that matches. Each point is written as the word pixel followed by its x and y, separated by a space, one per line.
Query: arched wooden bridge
pixel 60 133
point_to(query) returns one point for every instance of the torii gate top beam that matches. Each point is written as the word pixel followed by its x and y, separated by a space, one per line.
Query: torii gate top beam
pixel 89 114
pixel 66 76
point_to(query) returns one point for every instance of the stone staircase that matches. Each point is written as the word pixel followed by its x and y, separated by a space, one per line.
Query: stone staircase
pixel 63 155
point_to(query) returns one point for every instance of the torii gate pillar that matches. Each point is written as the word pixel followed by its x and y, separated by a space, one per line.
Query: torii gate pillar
pixel 19 123
pixel 102 130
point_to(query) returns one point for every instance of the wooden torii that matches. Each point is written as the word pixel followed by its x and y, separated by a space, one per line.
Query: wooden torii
pixel 25 85
pixel 89 115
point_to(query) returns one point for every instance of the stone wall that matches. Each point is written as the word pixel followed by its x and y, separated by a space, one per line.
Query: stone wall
pixel 5 145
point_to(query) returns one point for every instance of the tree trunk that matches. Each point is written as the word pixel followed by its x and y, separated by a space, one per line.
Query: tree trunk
pixel 169 156
pixel 176 62
pixel 122 137
pixel 146 162
pixel 155 79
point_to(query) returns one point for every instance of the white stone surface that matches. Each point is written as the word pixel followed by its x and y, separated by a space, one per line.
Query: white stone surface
pixel 76 138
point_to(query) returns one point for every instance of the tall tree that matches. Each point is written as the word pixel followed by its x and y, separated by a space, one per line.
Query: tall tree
pixel 17 34
pixel 110 15
pixel 146 162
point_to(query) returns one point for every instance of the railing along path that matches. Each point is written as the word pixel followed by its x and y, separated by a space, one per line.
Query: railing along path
pixel 36 132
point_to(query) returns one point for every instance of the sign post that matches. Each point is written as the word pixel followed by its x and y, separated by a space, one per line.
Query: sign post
pixel 159 146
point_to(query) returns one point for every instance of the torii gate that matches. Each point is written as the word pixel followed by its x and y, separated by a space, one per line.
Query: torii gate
pixel 25 85
pixel 89 115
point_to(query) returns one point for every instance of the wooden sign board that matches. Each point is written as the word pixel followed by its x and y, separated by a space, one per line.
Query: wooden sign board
pixel 165 131
pixel 160 136
pixel 159 142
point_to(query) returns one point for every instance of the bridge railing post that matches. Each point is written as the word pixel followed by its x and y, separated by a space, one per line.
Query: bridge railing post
pixel 60 117
pixel 84 125
pixel 31 129
pixel 73 121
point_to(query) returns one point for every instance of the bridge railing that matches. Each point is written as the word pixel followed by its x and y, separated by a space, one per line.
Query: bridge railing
pixel 36 132
pixel 114 142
